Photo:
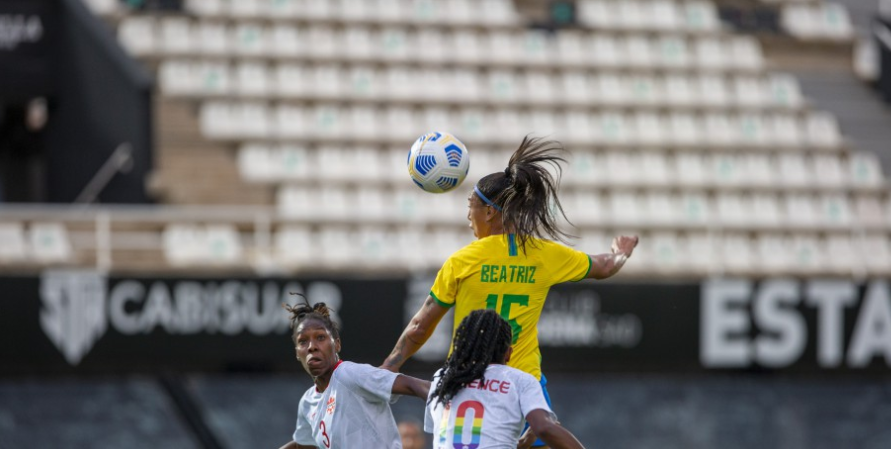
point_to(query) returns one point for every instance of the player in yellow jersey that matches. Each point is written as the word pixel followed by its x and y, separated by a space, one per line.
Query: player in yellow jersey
pixel 514 262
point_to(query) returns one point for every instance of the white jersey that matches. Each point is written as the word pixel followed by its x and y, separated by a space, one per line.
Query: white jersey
pixel 353 412
pixel 485 415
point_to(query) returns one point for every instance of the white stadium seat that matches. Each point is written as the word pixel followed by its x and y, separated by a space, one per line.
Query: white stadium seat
pixel 502 86
pixel 822 130
pixel 701 16
pixel 290 122
pixel 185 244
pixel 250 38
pixel 286 41
pixel 865 170
pixel 252 79
pixel 13 246
pixel 177 36
pixel 213 38
pixel 137 35
pixel 870 212
pixel 295 245
pixel 801 210
pixel 223 244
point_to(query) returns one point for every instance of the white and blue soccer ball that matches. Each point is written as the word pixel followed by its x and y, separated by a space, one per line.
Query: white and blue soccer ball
pixel 438 162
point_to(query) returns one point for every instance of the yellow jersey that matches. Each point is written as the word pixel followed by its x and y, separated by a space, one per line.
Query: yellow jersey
pixel 491 273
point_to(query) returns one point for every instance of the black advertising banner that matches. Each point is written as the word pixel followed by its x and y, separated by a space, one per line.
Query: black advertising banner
pixel 26 32
pixel 86 322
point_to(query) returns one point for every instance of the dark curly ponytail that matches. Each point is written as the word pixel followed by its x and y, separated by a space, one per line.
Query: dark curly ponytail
pixel 482 338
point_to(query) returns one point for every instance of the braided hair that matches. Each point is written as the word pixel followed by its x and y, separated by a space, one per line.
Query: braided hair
pixel 482 338
pixel 303 312
pixel 526 192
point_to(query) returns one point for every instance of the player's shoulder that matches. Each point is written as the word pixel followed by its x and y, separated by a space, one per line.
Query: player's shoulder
pixel 514 373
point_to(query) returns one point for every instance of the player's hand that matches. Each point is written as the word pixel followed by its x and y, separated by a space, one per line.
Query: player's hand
pixel 527 439
pixel 624 244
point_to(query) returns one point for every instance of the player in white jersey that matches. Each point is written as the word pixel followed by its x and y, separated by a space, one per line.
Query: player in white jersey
pixel 481 403
pixel 349 405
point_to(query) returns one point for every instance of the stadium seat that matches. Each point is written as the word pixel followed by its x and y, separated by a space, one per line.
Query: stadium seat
pixel 737 254
pixel 711 54
pixel 255 163
pixel 402 123
pixel 596 13
pixel 751 130
pixel 578 126
pixel 734 210
pixel 745 53
pixel 285 41
pixel 537 48
pixel 638 51
pixel 354 10
pixel 626 208
pixel 822 130
pixel 784 91
pixel 283 9
pixel 389 11
pixel 291 80
pixel 13 246
pixel 835 210
pixel 327 121
pixel 252 79
pixel 865 170
pixel 835 21
pixel 137 35
pixel 247 9
pixel 295 245
pixel 794 170
pixel 295 202
pixel 760 170
pixel 775 254
pixel 661 208
pixel 358 43
pixel 875 249
pixel 318 9
pixel 465 46
pixel 644 90
pixel 630 15
pixel 721 130
pixel 604 51
pixel 663 15
pixel 700 16
pixel 800 21
pixel 437 117
pixel 870 212
pixel 749 91
pixel 293 162
pixel 209 8
pixel 213 38
pixel 497 12
pixel 178 78
pixel 290 122
pixel 702 251
pixel 363 122
pixel 612 128
pixel 713 90
pixel 433 44
pixel 621 168
pixel 585 168
pixel 679 91
pixel 340 245
pixel 185 244
pixel 502 47
pixel 671 51
pixel 224 245
pixel 695 209
pixel 655 169
pixel 471 125
pixel 844 259
pixel 586 207
pixel 666 252
pixel 648 129
pixel 217 120
pixel 507 123
pixel 537 87
pixel 828 171
pixel 785 130
pixel 727 169
pixel 691 169
pixel 766 210
pixel 808 255
pixel 801 210
pixel 372 204
pixel 253 120
pixel 570 47
pixel 250 39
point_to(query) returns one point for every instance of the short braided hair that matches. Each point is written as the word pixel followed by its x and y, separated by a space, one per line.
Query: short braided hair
pixel 482 338
pixel 303 312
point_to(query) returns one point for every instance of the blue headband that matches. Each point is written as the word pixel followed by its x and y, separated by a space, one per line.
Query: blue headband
pixel 483 197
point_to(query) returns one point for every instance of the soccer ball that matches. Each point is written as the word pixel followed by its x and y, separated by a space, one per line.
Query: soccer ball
pixel 438 162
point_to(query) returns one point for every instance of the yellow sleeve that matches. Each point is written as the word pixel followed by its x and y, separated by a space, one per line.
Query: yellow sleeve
pixel 568 264
pixel 445 288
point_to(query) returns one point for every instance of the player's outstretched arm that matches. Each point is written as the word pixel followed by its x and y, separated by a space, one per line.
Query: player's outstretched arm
pixel 551 432
pixel 415 334
pixel 411 386
pixel 606 265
